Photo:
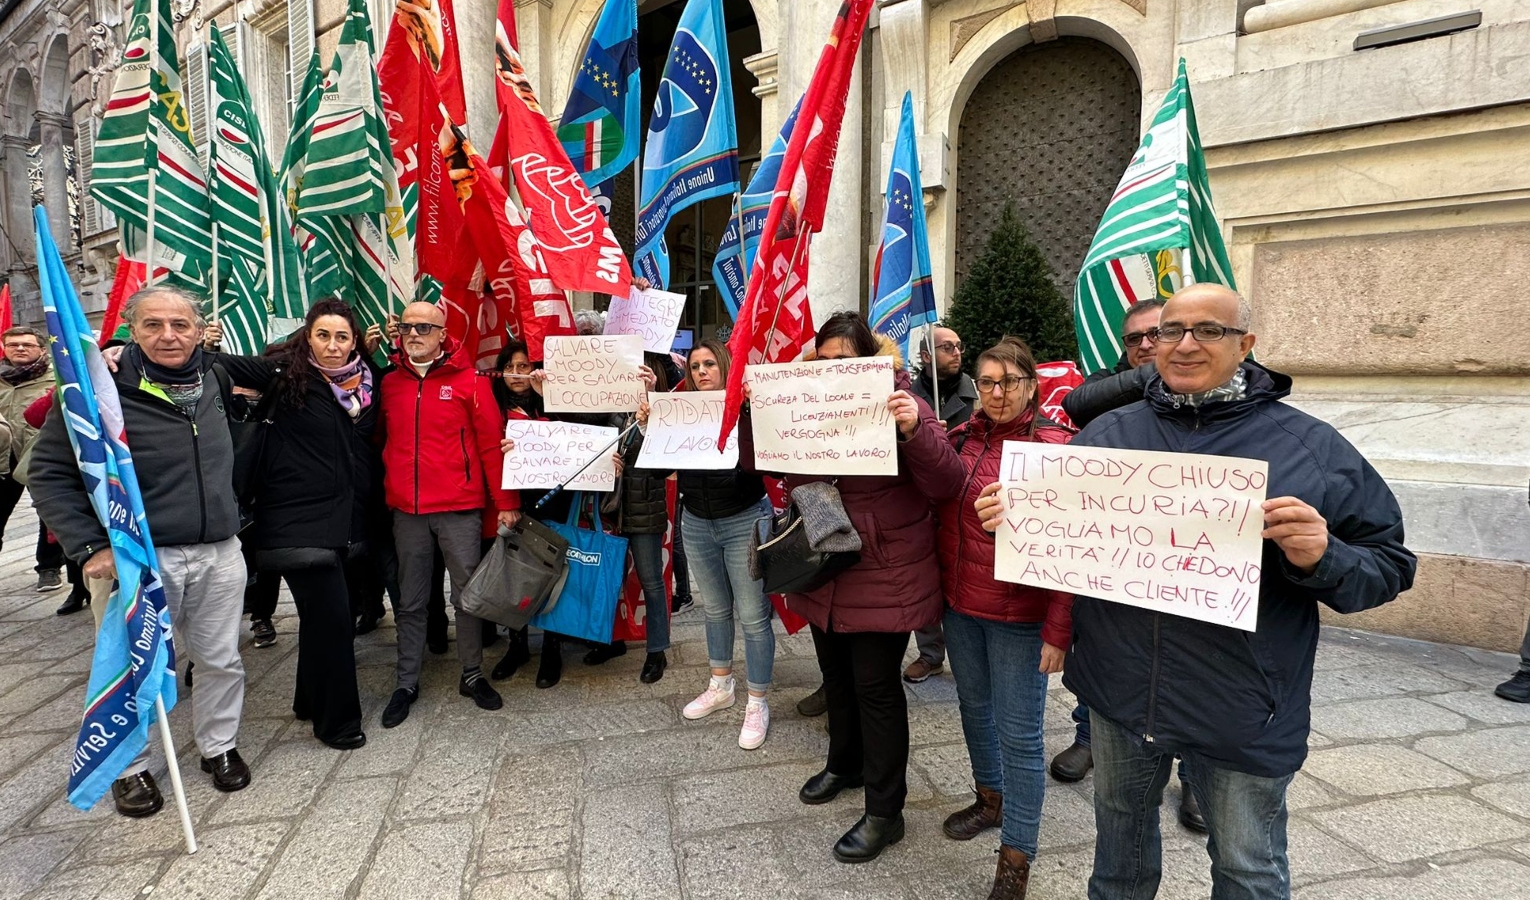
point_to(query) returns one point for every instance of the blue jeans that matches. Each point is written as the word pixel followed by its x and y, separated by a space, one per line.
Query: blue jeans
pixel 1002 695
pixel 1245 814
pixel 718 553
pixel 648 559
pixel 1081 733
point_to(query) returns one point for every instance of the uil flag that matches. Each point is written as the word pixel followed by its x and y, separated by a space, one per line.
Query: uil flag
pixel 134 661
pixel 144 168
pixel 600 123
pixel 735 255
pixel 775 322
pixel 902 293
pixel 1158 233
pixel 692 149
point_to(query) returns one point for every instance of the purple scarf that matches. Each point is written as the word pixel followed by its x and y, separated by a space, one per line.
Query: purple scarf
pixel 351 384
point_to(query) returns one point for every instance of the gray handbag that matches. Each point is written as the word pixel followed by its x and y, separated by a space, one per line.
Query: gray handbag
pixel 513 581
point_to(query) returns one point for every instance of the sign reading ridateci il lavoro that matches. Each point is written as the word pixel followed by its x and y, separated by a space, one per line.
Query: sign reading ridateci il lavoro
pixel 1172 532
pixel 825 417
pixel 682 433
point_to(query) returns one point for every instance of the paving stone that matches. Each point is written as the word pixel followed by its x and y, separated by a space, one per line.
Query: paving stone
pixel 282 782
pixel 547 884
pixel 61 714
pixel 1492 753
pixel 1484 706
pixel 946 767
pixel 1306 792
pixel 1067 819
pixel 426 860
pixel 934 723
pixel 450 783
pixel 627 849
pixel 698 747
pixel 1385 718
pixel 1489 878
pixel 1315 854
pixel 729 862
pixel 26 861
pixel 17 750
pixel 537 838
pixel 226 864
pixel 1406 828
pixel 1511 797
pixel 22 701
pixel 581 723
pixel 30 787
pixel 1366 770
pixel 1389 680
pixel 751 796
pixel 334 844
pixel 537 781
pixel 117 881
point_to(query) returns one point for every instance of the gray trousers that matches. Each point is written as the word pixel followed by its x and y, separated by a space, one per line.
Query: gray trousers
pixel 932 644
pixel 204 585
pixel 416 537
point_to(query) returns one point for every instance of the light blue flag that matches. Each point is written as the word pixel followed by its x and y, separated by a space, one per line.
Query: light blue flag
pixel 692 149
pixel 600 124
pixel 134 661
pixel 902 292
pixel 735 258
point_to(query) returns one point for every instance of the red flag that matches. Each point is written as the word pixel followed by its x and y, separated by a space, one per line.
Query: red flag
pixel 581 252
pixel 129 278
pixel 7 321
pixel 775 309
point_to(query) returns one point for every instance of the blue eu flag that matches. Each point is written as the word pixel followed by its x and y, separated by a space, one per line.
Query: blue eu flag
pixel 902 293
pixel 599 128
pixel 735 255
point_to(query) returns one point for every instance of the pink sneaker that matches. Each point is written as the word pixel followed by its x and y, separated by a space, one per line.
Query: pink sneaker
pixel 756 723
pixel 718 695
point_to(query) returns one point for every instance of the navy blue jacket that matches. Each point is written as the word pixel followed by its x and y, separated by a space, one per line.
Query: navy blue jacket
pixel 1242 699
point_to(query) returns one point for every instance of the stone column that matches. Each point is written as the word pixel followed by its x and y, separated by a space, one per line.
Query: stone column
pixel 52 128
pixel 20 249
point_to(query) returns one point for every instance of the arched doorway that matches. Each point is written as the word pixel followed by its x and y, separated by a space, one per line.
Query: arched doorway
pixel 1070 111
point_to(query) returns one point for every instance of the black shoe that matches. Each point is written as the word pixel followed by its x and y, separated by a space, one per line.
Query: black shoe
pixel 518 655
pixel 1516 689
pixel 550 670
pixel 481 691
pixel 228 771
pixel 436 645
pixel 680 604
pixel 366 623
pixel 868 838
pixel 814 704
pixel 398 707
pixel 604 654
pixel 72 604
pixel 653 667
pixel 137 796
pixel 825 786
pixel 1073 763
pixel 48 581
pixel 1189 809
pixel 350 742
pixel 264 631
pixel 188 673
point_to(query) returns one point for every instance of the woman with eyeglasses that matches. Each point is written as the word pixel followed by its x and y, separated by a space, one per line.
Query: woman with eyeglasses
pixel 1002 639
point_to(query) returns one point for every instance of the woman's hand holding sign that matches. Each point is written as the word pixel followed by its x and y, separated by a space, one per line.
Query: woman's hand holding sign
pixel 905 412
pixel 1298 529
pixel 990 509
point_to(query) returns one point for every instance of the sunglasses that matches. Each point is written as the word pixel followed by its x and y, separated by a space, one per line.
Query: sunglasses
pixel 417 327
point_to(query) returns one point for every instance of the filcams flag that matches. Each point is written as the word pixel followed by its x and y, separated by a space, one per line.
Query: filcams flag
pixel 134 660
pixel 1158 233
pixel 146 130
pixel 255 247
pixel 735 254
pixel 692 149
pixel 601 121
pixel 902 292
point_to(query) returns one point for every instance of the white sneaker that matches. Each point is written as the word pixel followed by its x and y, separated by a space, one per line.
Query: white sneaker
pixel 718 695
pixel 756 723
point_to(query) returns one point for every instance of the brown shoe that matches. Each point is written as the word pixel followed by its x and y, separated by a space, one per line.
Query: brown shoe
pixel 986 812
pixel 921 669
pixel 1014 873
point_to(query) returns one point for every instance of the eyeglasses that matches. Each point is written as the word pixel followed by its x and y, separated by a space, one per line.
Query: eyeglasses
pixel 417 327
pixel 1133 338
pixel 1203 334
pixel 1011 383
pixel 949 347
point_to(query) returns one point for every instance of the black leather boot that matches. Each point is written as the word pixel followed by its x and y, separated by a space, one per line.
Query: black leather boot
pixel 870 836
pixel 550 671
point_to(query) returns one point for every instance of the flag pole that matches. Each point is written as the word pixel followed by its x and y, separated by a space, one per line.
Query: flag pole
pixel 785 283
pixel 393 294
pixel 150 249
pixel 934 370
pixel 168 743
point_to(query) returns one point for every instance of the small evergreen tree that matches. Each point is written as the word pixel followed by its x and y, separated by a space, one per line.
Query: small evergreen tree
pixel 1010 291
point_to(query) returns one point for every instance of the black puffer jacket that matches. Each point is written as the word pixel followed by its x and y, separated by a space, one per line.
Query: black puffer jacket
pixel 645 505
pixel 1104 391
pixel 1241 698
pixel 719 493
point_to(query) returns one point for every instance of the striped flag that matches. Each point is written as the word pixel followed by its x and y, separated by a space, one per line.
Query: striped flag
pixel 134 660
pixel 318 242
pixel 1158 233
pixel 600 124
pixel 735 254
pixel 144 160
pixel 256 253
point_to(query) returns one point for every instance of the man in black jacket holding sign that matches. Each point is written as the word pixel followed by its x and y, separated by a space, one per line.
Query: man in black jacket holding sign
pixel 1234 704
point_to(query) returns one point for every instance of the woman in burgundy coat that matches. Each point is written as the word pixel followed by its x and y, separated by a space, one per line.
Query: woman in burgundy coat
pixel 861 620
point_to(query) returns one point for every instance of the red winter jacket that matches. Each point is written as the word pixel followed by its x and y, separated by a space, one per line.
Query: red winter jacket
pixel 967 551
pixel 441 452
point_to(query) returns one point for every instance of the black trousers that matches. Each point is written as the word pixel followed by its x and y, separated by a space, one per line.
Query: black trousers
pixel 326 689
pixel 50 554
pixel 868 712
pixel 260 588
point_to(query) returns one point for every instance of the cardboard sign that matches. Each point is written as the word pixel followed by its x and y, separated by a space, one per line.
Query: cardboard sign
pixel 594 374
pixel 653 315
pixel 827 417
pixel 1172 532
pixel 546 454
pixel 682 433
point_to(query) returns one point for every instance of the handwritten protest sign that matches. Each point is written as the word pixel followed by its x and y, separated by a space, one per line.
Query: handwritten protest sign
pixel 597 373
pixel 682 432
pixel 826 417
pixel 653 315
pixel 547 454
pixel 1173 532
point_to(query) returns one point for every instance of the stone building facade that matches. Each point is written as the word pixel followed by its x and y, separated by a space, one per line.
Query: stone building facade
pixel 1375 202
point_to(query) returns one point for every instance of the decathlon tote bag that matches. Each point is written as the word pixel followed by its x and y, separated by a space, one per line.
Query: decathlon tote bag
pixel 586 607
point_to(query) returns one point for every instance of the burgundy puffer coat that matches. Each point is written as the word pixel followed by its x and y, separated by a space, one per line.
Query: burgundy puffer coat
pixel 967 551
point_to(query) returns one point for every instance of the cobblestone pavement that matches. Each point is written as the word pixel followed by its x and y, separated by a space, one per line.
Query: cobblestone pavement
pixel 1418 785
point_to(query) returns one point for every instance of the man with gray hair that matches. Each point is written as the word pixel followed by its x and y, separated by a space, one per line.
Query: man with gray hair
pixel 177 425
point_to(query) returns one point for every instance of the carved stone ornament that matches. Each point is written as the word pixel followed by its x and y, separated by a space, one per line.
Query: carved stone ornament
pixel 103 61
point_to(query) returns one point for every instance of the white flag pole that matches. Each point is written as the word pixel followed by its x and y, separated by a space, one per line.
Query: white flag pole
pixel 151 251
pixel 168 743
pixel 934 371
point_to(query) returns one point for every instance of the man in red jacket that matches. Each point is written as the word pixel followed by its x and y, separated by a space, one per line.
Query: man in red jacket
pixel 441 459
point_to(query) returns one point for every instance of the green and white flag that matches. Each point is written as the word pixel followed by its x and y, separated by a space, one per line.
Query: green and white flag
pixel 1158 233
pixel 319 242
pixel 144 164
pixel 256 254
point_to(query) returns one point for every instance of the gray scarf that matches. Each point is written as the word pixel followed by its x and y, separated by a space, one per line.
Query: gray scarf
pixel 1232 390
